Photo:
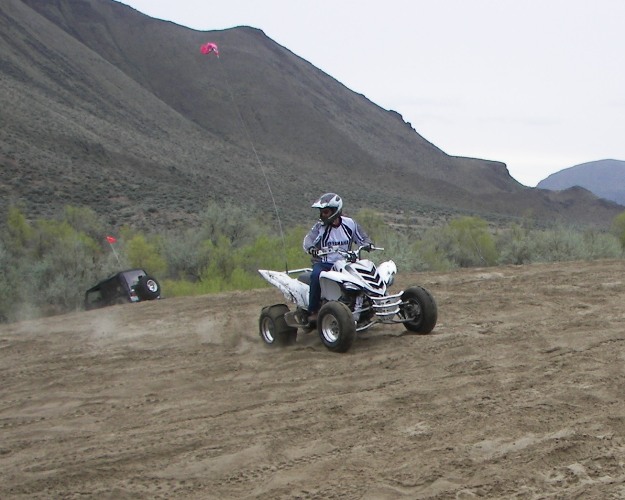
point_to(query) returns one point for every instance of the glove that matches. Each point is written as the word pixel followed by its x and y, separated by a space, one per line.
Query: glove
pixel 313 251
pixel 368 248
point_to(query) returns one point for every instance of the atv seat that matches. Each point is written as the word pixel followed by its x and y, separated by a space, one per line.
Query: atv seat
pixel 305 277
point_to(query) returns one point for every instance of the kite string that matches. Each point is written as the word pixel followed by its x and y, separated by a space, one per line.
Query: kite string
pixel 260 163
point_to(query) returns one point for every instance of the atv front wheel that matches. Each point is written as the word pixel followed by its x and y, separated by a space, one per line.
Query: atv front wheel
pixel 336 326
pixel 273 328
pixel 419 308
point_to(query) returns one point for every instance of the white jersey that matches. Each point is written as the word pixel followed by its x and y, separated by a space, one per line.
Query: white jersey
pixel 341 236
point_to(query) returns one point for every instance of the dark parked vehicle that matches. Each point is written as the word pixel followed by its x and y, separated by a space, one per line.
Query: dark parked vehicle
pixel 133 285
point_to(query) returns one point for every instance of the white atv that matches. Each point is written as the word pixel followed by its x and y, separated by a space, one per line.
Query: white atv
pixel 354 297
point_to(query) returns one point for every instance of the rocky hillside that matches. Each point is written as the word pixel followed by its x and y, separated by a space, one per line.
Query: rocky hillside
pixel 105 107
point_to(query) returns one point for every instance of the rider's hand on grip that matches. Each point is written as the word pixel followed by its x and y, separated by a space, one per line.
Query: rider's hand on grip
pixel 313 251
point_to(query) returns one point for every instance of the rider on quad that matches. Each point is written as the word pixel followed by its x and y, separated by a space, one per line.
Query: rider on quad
pixel 332 230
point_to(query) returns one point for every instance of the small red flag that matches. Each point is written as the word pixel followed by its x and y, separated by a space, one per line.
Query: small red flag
pixel 111 239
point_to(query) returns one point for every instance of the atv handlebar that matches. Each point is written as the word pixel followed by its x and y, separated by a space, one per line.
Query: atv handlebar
pixel 350 255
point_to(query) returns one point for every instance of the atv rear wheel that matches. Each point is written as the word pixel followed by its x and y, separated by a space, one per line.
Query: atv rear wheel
pixel 336 326
pixel 273 328
pixel 419 307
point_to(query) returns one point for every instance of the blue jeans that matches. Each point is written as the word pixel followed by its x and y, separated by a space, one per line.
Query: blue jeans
pixel 314 296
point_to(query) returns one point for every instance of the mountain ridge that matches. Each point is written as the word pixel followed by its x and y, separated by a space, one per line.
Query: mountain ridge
pixel 106 107
pixel 604 178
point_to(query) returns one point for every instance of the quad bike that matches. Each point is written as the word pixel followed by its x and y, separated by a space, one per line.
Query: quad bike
pixel 354 297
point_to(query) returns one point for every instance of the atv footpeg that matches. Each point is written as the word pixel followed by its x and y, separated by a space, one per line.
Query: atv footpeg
pixel 298 319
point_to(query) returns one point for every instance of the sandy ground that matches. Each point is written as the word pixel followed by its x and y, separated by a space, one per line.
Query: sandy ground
pixel 518 393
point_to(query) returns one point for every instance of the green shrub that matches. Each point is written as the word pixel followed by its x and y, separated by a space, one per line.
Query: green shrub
pixel 185 255
pixel 432 249
pixel 515 246
pixel 463 242
pixel 618 228
pixel 18 233
pixel 47 264
pixel 145 255
pixel 6 280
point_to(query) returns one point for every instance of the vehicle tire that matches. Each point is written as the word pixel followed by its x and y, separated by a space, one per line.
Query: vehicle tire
pixel 419 305
pixel 273 328
pixel 148 288
pixel 336 326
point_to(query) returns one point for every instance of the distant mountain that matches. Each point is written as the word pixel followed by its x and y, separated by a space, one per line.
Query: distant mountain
pixel 604 178
pixel 103 106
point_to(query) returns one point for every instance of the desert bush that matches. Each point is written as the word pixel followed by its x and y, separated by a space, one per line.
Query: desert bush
pixel 18 231
pixel 239 225
pixel 472 242
pixel 407 248
pixel 515 245
pixel 223 228
pixel 462 242
pixel 432 250
pixel 236 268
pixel 600 245
pixel 618 229
pixel 400 243
pixel 519 245
pixel 55 282
pixel 179 288
pixel 560 244
pixel 274 252
pixel 47 264
pixel 145 254
pixel 47 269
pixel 185 255
pixel 375 226
pixel 6 296
pixel 221 261
pixel 84 220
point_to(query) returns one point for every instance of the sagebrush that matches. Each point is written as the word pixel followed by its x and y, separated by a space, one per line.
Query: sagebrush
pixel 47 264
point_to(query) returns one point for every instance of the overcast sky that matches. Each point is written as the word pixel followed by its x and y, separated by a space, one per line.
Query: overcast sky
pixel 536 84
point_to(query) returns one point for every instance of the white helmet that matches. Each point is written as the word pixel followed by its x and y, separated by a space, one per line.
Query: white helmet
pixel 332 201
